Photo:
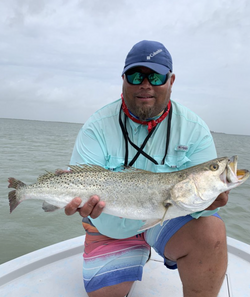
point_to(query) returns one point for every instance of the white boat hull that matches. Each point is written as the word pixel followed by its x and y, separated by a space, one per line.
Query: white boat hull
pixel 57 271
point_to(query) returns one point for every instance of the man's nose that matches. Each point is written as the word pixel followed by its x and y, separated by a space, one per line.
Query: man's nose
pixel 145 83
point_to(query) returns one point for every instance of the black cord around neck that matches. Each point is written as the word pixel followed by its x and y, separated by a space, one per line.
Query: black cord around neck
pixel 140 149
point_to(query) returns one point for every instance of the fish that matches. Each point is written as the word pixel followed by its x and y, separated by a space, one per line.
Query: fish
pixel 134 193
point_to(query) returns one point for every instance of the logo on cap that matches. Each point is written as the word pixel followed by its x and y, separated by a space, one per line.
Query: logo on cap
pixel 154 54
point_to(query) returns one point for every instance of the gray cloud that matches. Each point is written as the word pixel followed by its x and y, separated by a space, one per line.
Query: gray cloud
pixel 62 60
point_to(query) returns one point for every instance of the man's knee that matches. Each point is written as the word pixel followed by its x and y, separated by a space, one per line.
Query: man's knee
pixel 207 230
pixel 206 233
pixel 210 236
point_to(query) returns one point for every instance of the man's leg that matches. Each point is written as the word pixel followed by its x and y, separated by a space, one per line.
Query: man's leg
pixel 200 250
pixel 110 266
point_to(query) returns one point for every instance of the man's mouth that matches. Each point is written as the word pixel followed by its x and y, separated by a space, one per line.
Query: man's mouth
pixel 144 96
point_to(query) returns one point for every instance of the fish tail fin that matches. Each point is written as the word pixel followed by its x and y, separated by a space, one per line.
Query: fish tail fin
pixel 15 183
pixel 13 200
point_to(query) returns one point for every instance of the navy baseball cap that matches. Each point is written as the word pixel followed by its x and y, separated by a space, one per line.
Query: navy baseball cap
pixel 150 54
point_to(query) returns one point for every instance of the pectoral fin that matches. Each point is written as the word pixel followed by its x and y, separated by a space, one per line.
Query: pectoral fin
pixel 47 207
pixel 151 223
pixel 167 205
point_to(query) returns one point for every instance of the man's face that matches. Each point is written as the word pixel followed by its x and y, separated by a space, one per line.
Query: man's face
pixel 146 101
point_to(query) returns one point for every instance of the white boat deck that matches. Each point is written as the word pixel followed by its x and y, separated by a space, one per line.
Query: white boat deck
pixel 57 271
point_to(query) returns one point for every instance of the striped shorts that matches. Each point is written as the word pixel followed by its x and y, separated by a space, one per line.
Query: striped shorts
pixel 108 261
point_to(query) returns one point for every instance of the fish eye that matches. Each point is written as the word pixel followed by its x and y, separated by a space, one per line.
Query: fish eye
pixel 214 167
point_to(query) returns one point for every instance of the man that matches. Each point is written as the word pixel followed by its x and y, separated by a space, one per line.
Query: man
pixel 147 130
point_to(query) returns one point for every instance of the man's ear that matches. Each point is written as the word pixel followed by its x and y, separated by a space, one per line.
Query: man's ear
pixel 172 79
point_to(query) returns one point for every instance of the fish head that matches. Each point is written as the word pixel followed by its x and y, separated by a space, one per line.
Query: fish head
pixel 223 175
pixel 204 183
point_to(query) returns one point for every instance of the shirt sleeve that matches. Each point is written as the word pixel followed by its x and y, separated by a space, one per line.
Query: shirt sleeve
pixel 203 151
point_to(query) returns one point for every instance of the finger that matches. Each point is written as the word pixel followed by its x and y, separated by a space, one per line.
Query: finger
pixel 89 206
pixel 72 207
pixel 97 210
pixel 61 171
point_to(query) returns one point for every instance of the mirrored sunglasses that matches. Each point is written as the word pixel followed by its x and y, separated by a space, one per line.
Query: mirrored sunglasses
pixel 154 78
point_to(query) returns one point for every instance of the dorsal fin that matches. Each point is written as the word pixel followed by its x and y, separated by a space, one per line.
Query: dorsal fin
pixel 72 169
pixel 45 176
pixel 128 169
pixel 96 168
pixel 88 168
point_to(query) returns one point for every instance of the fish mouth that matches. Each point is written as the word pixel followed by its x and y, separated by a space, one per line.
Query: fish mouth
pixel 232 175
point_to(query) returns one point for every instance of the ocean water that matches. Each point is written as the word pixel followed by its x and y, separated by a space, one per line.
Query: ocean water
pixel 29 148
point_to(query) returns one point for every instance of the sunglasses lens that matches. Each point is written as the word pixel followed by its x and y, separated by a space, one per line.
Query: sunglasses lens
pixel 157 79
pixel 135 78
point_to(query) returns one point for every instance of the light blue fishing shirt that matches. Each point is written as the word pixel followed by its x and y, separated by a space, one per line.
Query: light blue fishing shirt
pixel 101 142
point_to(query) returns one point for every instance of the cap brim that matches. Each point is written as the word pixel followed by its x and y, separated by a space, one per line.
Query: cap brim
pixel 156 67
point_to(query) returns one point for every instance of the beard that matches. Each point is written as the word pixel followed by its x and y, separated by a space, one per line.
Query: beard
pixel 144 113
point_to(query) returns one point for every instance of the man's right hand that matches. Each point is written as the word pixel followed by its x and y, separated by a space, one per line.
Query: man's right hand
pixel 93 207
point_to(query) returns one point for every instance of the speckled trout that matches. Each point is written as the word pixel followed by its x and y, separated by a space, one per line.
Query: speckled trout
pixel 134 193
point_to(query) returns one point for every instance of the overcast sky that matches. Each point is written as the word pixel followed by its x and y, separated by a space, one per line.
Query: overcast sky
pixel 61 60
